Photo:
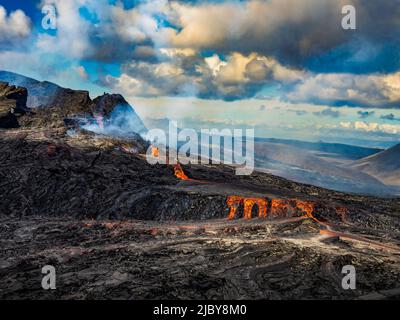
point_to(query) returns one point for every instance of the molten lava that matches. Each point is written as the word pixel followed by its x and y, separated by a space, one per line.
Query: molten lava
pixel 281 208
pixel 154 151
pixel 233 203
pixel 248 207
pixel 307 207
pixel 248 203
pixel 179 173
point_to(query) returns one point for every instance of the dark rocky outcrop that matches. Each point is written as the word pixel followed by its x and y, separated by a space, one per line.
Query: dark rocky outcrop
pixel 118 113
pixel 7 118
pixel 12 104
pixel 106 103
pixel 18 94
pixel 54 106
pixel 44 94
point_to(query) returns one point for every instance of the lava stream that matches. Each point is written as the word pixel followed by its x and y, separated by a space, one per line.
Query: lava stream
pixel 155 151
pixel 180 174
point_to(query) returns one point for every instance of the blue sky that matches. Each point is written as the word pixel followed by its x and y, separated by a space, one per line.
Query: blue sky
pixel 286 68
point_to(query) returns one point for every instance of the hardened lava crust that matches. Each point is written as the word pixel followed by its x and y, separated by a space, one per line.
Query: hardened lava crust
pixel 116 227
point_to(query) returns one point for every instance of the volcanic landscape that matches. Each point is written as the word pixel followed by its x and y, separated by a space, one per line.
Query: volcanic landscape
pixel 116 227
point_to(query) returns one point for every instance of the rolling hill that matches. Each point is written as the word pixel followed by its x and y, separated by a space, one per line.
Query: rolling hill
pixel 385 166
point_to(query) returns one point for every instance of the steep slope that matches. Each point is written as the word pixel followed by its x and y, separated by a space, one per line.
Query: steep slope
pixel 306 167
pixel 120 119
pixel 385 165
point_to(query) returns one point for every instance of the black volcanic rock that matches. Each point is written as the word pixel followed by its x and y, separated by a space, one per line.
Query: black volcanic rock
pixel 54 106
pixel 41 94
pixel 106 103
pixel 47 95
pixel 75 101
pixel 11 92
pixel 12 104
pixel 7 119
pixel 44 94
pixel 58 192
pixel 118 113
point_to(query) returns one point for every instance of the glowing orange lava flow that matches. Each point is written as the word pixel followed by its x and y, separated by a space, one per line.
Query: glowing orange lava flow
pixel 154 151
pixel 233 203
pixel 179 173
pixel 248 204
pixel 281 208
pixel 248 207
pixel 307 207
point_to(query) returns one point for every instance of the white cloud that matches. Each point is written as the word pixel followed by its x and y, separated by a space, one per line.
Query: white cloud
pixel 72 39
pixel 263 26
pixel 139 24
pixel 371 127
pixel 16 24
pixel 177 52
pixel 361 90
pixel 247 38
pixel 184 72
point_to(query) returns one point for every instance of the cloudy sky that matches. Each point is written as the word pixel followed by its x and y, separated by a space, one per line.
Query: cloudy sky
pixel 285 67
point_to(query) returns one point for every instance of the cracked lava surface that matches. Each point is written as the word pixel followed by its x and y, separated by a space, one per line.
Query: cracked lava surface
pixel 116 227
